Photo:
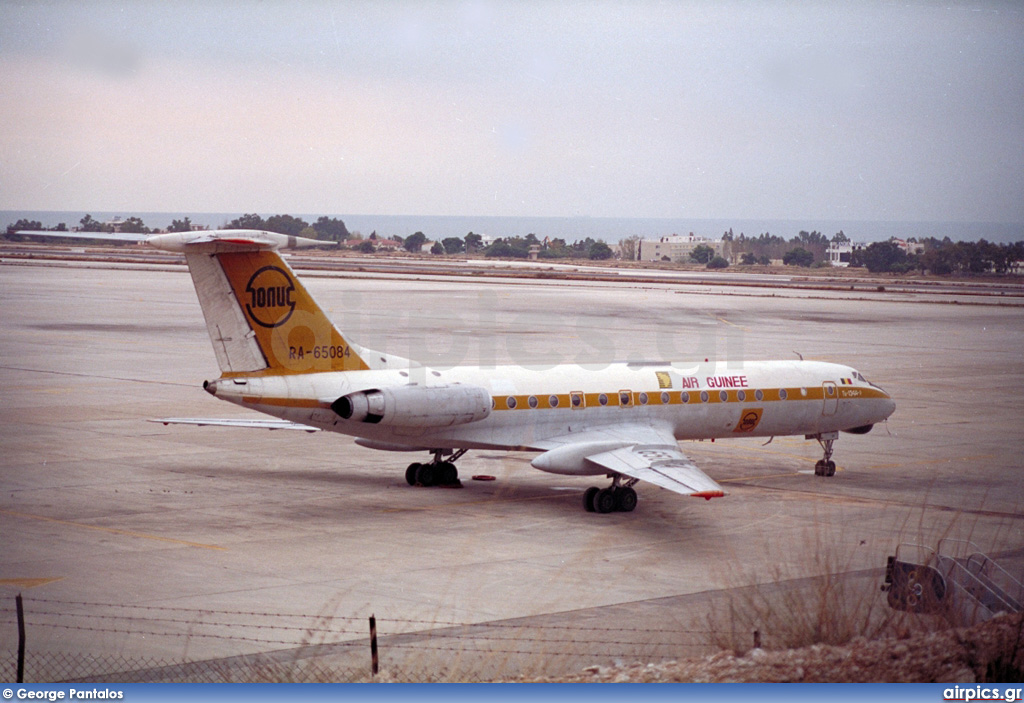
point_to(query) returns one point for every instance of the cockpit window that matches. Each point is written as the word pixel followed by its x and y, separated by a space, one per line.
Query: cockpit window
pixel 860 377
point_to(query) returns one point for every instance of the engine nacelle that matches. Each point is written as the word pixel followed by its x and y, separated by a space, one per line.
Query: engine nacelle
pixel 416 406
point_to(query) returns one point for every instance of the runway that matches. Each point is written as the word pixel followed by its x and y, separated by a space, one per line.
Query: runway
pixel 109 521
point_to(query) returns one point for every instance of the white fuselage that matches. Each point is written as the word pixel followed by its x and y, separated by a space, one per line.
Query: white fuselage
pixel 528 406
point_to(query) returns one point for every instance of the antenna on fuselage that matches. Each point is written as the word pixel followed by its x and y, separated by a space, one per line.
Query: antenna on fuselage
pixel 799 354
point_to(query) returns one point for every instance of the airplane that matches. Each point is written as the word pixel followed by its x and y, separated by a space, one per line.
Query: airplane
pixel 280 355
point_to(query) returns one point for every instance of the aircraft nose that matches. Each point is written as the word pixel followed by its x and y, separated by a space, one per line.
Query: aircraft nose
pixel 888 405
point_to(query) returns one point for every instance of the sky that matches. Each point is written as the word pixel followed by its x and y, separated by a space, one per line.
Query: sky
pixel 786 110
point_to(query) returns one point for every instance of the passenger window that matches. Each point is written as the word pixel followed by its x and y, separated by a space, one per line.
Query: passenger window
pixel 553 401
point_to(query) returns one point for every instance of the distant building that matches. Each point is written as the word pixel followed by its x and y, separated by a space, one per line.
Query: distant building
pixel 840 253
pixel 114 225
pixel 911 248
pixel 676 248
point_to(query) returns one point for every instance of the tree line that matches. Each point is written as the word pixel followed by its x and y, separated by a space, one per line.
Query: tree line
pixel 940 257
pixel 332 229
pixel 935 256
pixel 804 249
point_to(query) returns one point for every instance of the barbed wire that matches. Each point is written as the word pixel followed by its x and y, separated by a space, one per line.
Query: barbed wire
pixel 195 623
pixel 232 637
pixel 178 609
pixel 382 621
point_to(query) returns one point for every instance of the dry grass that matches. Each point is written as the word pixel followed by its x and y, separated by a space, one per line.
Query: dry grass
pixel 839 601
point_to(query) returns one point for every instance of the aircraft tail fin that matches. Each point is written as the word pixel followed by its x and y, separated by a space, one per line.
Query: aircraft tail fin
pixel 259 315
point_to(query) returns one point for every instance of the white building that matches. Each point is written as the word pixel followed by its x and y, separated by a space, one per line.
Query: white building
pixel 676 248
pixel 840 253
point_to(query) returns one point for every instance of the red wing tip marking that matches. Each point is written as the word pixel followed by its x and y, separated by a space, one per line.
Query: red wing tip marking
pixel 708 495
pixel 483 477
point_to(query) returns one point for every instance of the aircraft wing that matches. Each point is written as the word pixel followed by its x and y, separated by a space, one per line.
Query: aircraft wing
pixel 661 466
pixel 229 422
pixel 642 452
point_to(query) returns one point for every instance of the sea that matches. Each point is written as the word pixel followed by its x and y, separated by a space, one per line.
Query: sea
pixel 607 229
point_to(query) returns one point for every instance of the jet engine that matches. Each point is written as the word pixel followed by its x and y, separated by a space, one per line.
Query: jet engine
pixel 416 406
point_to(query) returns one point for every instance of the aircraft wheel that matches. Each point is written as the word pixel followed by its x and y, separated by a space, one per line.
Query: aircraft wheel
pixel 626 499
pixel 604 501
pixel 588 499
pixel 410 474
pixel 830 468
pixel 447 474
pixel 819 467
pixel 426 475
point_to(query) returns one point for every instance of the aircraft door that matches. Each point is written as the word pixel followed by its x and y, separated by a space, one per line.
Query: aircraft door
pixel 831 396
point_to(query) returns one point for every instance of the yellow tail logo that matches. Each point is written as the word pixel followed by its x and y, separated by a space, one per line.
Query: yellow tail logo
pixel 293 333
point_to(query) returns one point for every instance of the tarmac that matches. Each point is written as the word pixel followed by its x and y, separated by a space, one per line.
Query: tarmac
pixel 134 540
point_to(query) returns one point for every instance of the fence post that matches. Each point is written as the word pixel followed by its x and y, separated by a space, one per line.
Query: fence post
pixel 374 664
pixel 21 639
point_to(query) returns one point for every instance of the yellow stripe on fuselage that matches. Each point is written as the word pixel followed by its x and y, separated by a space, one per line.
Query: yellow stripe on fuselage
pixel 657 398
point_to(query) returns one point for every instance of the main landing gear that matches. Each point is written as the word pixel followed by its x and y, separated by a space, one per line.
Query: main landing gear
pixel 617 497
pixel 439 472
pixel 826 467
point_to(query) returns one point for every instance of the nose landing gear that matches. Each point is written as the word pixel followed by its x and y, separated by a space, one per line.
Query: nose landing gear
pixel 825 466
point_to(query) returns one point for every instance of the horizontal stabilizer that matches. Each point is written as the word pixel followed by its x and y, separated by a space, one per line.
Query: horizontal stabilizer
pixel 123 237
pixel 210 241
pixel 229 241
pixel 229 422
